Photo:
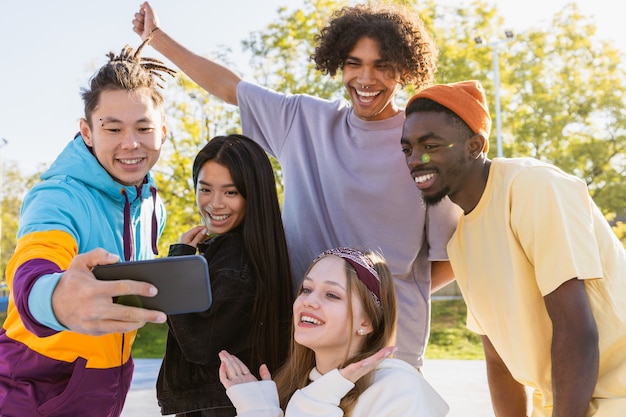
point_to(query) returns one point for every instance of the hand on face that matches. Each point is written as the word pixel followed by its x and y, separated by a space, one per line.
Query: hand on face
pixel 85 304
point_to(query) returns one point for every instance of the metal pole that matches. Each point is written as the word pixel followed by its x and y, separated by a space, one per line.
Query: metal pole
pixel 496 82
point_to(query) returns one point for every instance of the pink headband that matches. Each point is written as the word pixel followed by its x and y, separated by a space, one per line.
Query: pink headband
pixel 362 265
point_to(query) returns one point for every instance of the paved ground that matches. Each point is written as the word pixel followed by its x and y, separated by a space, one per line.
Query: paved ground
pixel 463 384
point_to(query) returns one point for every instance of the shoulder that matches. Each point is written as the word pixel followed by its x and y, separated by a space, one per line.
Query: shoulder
pixel 530 168
pixel 530 174
pixel 399 389
pixel 252 92
pixel 396 368
pixel 226 251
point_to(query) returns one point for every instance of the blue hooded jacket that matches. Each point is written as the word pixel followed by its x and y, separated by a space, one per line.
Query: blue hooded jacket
pixel 76 208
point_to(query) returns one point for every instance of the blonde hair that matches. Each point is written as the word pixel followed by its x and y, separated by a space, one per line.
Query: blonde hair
pixel 295 373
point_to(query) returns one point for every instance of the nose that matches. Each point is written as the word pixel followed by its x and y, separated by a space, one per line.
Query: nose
pixel 129 141
pixel 309 300
pixel 365 76
pixel 216 202
pixel 416 157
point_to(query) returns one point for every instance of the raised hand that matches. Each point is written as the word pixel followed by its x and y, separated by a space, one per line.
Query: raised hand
pixel 193 236
pixel 233 371
pixel 356 370
pixel 85 304
pixel 145 21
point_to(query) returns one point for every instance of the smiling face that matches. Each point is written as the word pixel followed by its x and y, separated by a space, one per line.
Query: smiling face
pixel 126 133
pixel 371 82
pixel 322 314
pixel 437 155
pixel 221 205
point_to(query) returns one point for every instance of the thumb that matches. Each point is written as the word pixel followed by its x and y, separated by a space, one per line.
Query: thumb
pixel 264 373
pixel 96 257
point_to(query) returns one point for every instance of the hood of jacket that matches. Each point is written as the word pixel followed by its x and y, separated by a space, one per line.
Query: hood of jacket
pixel 78 162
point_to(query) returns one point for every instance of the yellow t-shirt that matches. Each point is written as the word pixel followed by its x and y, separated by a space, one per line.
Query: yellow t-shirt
pixel 535 228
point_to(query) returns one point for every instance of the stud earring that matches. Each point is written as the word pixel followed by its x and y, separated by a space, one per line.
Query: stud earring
pixel 361 331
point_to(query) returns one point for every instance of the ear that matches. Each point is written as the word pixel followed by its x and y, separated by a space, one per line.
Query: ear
pixel 365 328
pixel 164 130
pixel 475 145
pixel 85 132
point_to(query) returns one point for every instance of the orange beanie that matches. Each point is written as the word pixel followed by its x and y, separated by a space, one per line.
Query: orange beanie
pixel 466 99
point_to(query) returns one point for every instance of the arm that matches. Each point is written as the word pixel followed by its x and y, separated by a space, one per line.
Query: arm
pixel 507 395
pixel 320 398
pixel 441 275
pixel 574 353
pixel 441 224
pixel 211 76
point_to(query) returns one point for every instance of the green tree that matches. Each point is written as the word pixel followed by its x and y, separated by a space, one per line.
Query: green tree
pixel 561 91
pixel 193 117
pixel 14 186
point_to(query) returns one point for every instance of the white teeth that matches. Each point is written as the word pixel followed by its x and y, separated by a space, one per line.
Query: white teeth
pixel 309 319
pixel 367 96
pixel 130 161
pixel 423 178
pixel 219 218
pixel 367 93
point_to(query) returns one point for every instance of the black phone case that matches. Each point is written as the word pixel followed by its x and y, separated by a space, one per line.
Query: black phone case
pixel 183 283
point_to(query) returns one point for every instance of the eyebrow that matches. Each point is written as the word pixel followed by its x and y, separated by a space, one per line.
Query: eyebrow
pixel 111 119
pixel 423 138
pixel 353 58
pixel 327 282
pixel 224 186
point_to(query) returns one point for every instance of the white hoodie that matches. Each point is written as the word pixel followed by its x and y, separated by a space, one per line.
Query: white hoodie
pixel 397 390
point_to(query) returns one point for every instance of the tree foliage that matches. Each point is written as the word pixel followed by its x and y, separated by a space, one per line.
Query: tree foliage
pixel 14 186
pixel 562 93
pixel 561 88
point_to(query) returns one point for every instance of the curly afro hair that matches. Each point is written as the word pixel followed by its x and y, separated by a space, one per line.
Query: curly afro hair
pixel 403 40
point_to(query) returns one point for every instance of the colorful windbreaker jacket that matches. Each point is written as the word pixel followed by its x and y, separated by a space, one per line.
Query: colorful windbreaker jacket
pixel 76 208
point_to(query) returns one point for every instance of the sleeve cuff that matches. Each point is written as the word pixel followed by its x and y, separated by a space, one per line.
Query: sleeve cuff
pixel 255 396
pixel 40 301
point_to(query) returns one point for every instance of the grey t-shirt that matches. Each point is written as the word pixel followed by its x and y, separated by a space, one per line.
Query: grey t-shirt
pixel 346 183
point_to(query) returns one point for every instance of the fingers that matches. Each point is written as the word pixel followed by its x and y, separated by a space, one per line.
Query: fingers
pixel 356 370
pixel 93 258
pixel 143 20
pixel 194 236
pixel 85 304
pixel 264 372
pixel 232 371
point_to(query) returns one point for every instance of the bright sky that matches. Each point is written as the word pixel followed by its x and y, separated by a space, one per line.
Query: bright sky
pixel 49 49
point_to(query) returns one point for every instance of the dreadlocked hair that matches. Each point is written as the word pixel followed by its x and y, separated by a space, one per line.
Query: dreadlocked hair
pixel 127 71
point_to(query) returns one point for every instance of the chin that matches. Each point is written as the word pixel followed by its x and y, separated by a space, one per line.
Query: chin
pixel 433 200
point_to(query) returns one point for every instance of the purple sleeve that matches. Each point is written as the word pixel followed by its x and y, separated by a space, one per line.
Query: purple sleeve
pixel 25 277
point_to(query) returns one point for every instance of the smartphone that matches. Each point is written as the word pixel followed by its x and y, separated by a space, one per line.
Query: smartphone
pixel 183 283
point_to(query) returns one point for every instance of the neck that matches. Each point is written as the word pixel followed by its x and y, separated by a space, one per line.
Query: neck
pixel 327 359
pixel 325 363
pixel 475 187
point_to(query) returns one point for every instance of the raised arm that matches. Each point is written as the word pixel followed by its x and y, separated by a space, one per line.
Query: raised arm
pixel 575 353
pixel 211 76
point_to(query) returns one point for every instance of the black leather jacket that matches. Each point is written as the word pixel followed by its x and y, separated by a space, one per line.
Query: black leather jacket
pixel 189 378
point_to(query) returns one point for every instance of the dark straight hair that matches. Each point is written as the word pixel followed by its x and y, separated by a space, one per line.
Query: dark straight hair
pixel 264 240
